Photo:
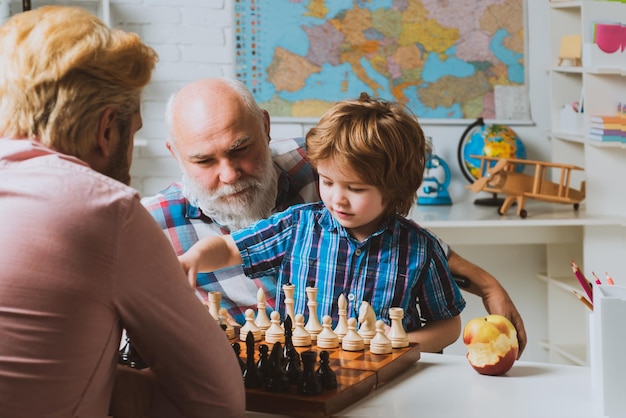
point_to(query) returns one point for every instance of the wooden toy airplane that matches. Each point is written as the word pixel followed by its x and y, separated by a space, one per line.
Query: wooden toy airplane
pixel 502 177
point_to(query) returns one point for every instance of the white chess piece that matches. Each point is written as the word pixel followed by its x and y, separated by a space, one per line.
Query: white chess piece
pixel 327 338
pixel 250 326
pixel 262 320
pixel 300 336
pixel 342 323
pixel 367 320
pixel 275 333
pixel 352 341
pixel 215 298
pixel 380 344
pixel 289 290
pixel 313 325
pixel 397 334
pixel 230 330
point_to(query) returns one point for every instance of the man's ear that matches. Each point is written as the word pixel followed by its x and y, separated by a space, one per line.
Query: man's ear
pixel 106 125
pixel 266 123
pixel 170 148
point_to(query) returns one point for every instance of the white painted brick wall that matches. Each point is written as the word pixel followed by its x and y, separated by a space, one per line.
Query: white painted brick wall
pixel 194 39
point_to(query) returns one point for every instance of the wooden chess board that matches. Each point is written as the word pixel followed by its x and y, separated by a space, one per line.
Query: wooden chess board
pixel 358 374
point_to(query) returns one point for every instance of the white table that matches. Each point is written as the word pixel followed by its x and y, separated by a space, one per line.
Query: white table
pixel 447 386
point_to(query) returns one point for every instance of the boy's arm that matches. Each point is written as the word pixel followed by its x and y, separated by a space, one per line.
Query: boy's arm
pixel 209 254
pixel 436 335
pixel 495 298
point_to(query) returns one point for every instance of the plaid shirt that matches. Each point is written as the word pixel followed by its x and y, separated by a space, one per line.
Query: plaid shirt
pixel 401 265
pixel 184 224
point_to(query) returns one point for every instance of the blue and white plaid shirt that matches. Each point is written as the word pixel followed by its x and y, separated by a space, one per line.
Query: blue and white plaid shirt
pixel 401 265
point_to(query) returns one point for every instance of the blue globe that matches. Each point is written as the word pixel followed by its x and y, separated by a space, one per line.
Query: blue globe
pixel 491 140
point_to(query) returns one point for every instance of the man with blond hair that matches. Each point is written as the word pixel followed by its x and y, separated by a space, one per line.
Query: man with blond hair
pixel 81 258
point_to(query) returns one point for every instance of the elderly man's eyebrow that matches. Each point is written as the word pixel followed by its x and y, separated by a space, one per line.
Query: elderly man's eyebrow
pixel 239 143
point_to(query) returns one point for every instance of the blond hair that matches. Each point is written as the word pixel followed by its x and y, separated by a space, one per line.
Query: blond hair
pixel 60 67
pixel 381 141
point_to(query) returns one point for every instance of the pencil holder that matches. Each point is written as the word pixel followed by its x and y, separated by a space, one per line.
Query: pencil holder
pixel 607 332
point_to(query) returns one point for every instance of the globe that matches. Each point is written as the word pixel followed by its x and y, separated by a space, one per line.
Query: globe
pixel 490 140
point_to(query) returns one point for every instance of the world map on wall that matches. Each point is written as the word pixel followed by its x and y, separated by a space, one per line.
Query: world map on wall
pixel 442 58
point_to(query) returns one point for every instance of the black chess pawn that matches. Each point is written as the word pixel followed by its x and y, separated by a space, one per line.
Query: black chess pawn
pixel 327 376
pixel 309 384
pixel 237 349
pixel 251 378
pixel 128 356
pixel 276 380
pixel 263 362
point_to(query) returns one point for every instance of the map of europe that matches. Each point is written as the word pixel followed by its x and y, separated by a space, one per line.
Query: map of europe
pixel 441 58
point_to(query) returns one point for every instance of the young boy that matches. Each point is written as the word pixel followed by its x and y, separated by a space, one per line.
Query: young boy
pixel 370 155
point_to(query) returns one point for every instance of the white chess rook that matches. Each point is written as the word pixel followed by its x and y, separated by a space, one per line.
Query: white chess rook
pixel 397 334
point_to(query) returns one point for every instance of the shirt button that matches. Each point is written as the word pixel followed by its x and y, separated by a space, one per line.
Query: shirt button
pixel 351 297
pixel 357 252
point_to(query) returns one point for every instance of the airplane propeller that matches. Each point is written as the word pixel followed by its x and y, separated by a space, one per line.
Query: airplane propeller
pixel 480 183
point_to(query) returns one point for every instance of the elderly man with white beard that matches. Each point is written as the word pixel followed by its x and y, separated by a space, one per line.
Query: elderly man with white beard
pixel 233 174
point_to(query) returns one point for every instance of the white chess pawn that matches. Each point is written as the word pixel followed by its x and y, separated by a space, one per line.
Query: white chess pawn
pixel 275 333
pixel 380 344
pixel 289 290
pixel 300 336
pixel 262 320
pixel 250 326
pixel 352 341
pixel 327 338
pixel 342 323
pixel 367 319
pixel 215 298
pixel 230 330
pixel 313 325
pixel 397 334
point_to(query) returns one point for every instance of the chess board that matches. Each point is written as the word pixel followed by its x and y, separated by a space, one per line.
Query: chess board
pixel 358 374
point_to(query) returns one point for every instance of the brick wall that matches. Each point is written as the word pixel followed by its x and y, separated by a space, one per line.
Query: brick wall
pixel 194 40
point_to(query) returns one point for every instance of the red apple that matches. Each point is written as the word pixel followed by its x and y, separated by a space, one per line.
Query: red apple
pixel 492 344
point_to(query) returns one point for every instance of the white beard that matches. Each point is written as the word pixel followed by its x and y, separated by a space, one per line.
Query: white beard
pixel 236 212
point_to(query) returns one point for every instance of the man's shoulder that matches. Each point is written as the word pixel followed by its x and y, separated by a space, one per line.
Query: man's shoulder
pixel 173 193
pixel 287 145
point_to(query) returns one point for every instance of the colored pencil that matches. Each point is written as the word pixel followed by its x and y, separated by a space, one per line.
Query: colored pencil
pixel 609 279
pixel 583 300
pixel 582 280
pixel 596 277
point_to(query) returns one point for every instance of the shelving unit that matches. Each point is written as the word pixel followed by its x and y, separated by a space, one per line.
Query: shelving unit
pixel 602 248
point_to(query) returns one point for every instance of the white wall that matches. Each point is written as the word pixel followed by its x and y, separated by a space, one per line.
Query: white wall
pixel 194 40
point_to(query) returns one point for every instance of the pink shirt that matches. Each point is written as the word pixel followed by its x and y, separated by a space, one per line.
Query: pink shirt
pixel 80 259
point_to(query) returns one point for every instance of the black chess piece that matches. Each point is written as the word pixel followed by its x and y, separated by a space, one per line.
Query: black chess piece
pixel 291 357
pixel 251 378
pixel 129 356
pixel 263 362
pixel 276 380
pixel 327 376
pixel 309 384
pixel 237 349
